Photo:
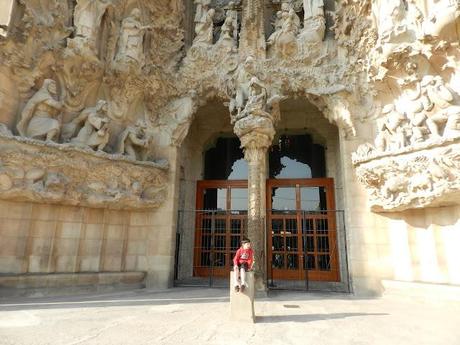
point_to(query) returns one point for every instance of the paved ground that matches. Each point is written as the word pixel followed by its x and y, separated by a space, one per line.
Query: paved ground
pixel 200 316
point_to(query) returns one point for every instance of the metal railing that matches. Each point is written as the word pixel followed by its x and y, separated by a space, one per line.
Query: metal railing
pixel 306 250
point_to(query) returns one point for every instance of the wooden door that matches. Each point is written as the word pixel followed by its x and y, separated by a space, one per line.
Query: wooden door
pixel 301 230
pixel 221 223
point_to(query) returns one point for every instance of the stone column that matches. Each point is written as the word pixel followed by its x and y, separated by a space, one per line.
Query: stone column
pixel 255 150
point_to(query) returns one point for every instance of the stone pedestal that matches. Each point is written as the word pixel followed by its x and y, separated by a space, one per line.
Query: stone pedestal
pixel 242 303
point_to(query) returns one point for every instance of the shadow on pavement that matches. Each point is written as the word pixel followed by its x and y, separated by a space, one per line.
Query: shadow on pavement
pixel 311 317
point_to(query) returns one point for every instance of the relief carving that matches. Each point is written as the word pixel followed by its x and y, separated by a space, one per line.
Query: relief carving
pixel 40 116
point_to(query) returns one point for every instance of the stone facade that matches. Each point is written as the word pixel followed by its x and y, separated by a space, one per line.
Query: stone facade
pixel 106 107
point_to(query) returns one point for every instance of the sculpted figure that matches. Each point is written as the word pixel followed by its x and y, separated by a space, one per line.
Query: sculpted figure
pixel 204 29
pixel 39 117
pixel 392 131
pixel 244 75
pixel 283 40
pixel 131 44
pixel 232 13
pixel 202 7
pixel 255 118
pixel 313 8
pixel 423 106
pixel 95 132
pixel 314 21
pixel 134 141
pixel 69 130
pixel 88 15
pixel 391 17
pixel 226 34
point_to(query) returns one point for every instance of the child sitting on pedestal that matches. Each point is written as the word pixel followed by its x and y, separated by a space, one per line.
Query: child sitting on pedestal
pixel 243 262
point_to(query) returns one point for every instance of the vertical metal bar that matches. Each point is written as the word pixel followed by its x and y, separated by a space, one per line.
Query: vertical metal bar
pixel 211 253
pixel 346 252
pixel 307 283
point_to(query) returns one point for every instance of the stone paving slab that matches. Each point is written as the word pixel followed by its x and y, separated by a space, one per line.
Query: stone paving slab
pixel 201 316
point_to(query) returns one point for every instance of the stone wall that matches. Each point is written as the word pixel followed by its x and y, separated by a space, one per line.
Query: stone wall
pixel 416 245
pixel 41 239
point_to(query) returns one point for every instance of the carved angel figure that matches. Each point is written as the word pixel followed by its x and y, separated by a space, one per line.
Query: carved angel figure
pixel 134 141
pixel 39 118
pixel 95 132
pixel 131 44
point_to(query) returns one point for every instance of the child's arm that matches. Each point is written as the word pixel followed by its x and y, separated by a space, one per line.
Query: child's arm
pixel 236 258
pixel 251 260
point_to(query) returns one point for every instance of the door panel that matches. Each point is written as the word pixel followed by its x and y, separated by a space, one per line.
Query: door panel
pixel 301 230
pixel 221 223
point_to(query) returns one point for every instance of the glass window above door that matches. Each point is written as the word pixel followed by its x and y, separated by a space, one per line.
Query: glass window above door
pixel 296 156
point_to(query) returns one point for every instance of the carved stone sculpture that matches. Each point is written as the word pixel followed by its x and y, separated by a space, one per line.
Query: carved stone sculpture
pixel 283 40
pixel 232 13
pixel 314 21
pixel 134 142
pixel 131 43
pixel 243 77
pixel 72 128
pixel 39 118
pixel 254 118
pixel 175 124
pixel 88 16
pixel 226 38
pixel 204 28
pixel 392 133
pixel 95 132
pixel 202 7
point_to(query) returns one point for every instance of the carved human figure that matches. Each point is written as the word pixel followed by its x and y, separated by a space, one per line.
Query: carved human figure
pixel 39 118
pixel 87 19
pixel 204 29
pixel 423 106
pixel 283 40
pixel 134 141
pixel 202 7
pixel 95 131
pixel 255 118
pixel 314 21
pixel 232 13
pixel 313 8
pixel 226 34
pixel 72 128
pixel 244 74
pixel 131 43
pixel 392 130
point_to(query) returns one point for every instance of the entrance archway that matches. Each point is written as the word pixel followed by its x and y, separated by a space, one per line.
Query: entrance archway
pixel 301 233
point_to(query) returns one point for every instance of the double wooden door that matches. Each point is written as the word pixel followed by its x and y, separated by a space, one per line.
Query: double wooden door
pixel 301 228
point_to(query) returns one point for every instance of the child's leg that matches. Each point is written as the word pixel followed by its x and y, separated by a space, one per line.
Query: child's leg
pixel 236 276
pixel 243 274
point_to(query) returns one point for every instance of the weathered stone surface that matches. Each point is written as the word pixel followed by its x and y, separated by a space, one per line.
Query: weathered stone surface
pixel 242 303
pixel 32 170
